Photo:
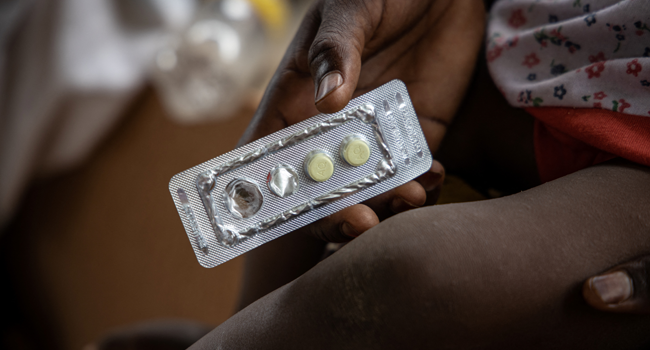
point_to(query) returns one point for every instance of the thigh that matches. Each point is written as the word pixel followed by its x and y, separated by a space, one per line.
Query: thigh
pixel 508 273
pixel 502 273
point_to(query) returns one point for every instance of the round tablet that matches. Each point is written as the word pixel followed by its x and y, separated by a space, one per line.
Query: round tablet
pixel 355 151
pixel 319 166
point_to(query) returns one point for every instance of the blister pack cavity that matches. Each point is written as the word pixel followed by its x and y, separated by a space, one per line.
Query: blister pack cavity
pixel 305 172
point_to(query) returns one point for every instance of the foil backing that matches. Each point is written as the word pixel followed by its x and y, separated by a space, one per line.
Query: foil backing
pixel 399 153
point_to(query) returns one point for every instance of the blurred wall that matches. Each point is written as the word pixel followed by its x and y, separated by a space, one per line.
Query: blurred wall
pixel 102 246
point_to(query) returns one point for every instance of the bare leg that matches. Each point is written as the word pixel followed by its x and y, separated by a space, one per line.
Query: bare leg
pixel 503 273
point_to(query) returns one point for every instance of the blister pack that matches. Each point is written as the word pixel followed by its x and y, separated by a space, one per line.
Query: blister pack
pixel 305 172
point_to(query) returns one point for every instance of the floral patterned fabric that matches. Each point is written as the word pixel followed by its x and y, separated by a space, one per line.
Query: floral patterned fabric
pixel 572 53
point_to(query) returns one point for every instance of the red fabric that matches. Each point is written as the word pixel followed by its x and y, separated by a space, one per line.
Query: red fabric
pixel 570 139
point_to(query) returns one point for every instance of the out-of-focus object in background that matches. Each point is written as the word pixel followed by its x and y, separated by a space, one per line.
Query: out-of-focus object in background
pixel 206 72
pixel 68 68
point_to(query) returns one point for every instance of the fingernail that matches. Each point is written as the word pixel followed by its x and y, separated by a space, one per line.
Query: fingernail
pixel 327 84
pixel 348 230
pixel 399 205
pixel 613 288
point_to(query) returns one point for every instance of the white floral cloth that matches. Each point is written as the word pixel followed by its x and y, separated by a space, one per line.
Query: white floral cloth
pixel 572 53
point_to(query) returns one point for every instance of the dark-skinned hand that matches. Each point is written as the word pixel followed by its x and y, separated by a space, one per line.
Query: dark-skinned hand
pixel 346 48
pixel 624 288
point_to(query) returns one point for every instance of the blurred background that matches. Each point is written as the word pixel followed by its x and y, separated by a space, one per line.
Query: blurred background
pixel 101 103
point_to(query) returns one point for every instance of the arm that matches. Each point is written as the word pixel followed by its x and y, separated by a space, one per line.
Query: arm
pixel 504 273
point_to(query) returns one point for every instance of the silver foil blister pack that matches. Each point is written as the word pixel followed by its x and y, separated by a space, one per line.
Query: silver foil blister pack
pixel 307 171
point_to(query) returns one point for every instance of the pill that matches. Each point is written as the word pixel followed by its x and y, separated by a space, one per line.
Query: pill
pixel 319 166
pixel 354 149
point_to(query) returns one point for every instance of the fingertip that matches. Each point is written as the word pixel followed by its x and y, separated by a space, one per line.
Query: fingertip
pixel 436 167
pixel 358 219
pixel 335 64
pixel 332 93
pixel 327 85
pixel 591 297
pixel 412 194
pixel 432 178
pixel 609 291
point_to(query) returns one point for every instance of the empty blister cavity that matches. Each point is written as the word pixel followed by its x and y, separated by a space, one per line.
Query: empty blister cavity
pixel 318 165
pixel 265 189
pixel 354 150
pixel 283 180
pixel 243 198
pixel 229 236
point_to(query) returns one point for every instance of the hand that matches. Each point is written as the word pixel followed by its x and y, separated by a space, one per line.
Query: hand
pixel 625 288
pixel 346 48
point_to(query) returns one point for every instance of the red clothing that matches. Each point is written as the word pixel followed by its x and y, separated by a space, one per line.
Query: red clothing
pixel 570 139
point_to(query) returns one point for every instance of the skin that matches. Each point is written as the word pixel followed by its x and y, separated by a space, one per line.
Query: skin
pixel 503 273
pixel 637 273
pixel 374 43
pixel 370 43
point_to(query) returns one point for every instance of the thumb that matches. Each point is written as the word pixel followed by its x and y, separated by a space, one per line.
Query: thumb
pixel 622 289
pixel 335 55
